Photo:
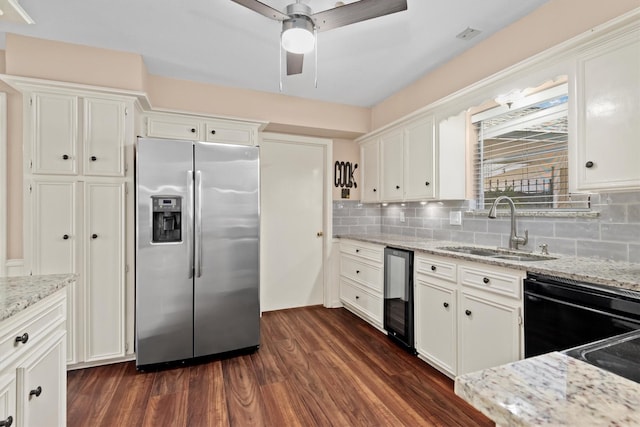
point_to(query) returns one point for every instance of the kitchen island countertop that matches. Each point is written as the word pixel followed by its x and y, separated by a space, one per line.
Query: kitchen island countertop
pixel 18 293
pixel 592 270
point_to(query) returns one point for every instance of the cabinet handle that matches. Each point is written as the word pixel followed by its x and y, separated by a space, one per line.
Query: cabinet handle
pixel 357 271
pixel 467 312
pixel 426 183
pixel 65 157
pixel 7 423
pixel 94 236
pixel 485 280
pixel 94 158
pixel 65 237
pixel 433 268
pixel 397 187
pixel 213 132
pixel 36 392
pixel 23 338
pixel 589 164
pixel 193 130
pixel 446 304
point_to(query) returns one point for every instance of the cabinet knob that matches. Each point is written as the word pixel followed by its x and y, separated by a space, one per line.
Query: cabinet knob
pixel 193 130
pixel 65 237
pixel 357 297
pixel 445 304
pixel 65 157
pixel 485 280
pixel 357 271
pixel 357 250
pixel 426 183
pixel 94 158
pixel 23 338
pixel 213 132
pixel 94 236
pixel 467 312
pixel 397 187
pixel 433 268
pixel 589 164
pixel 8 422
pixel 374 190
pixel 36 392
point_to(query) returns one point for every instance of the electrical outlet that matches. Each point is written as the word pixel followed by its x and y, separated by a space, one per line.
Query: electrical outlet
pixel 455 218
pixel 402 216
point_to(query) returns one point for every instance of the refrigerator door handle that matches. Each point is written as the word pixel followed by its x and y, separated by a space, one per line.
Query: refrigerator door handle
pixel 198 234
pixel 190 221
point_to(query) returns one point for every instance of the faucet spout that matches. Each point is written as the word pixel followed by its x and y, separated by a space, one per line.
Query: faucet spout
pixel 514 239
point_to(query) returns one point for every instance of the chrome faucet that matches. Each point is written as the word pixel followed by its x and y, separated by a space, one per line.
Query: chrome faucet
pixel 514 240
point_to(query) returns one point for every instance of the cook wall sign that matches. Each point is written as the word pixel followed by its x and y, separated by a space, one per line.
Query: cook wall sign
pixel 343 177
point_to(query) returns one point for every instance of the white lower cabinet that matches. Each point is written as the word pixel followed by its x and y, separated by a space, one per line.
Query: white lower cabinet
pixel 33 375
pixel 467 315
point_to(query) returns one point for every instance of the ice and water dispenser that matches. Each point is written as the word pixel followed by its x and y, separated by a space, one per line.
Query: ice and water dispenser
pixel 167 219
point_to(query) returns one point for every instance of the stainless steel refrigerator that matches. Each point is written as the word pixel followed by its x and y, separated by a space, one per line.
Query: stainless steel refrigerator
pixel 197 259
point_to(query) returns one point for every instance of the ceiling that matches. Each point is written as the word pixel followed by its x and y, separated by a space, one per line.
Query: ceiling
pixel 221 42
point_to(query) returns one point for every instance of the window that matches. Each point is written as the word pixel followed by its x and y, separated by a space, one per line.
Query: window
pixel 522 152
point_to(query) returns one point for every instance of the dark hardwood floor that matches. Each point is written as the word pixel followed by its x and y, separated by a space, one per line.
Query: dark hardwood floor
pixel 315 367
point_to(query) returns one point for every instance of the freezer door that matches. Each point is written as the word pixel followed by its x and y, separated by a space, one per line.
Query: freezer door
pixel 226 300
pixel 164 259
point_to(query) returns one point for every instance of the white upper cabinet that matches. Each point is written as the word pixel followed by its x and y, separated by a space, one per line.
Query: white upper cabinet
pixel 452 141
pixel 56 148
pixel 392 149
pixel 419 160
pixel 370 162
pixel 608 100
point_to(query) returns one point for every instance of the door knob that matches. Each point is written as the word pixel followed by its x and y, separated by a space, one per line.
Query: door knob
pixel 94 236
pixel 467 312
pixel 319 234
pixel 445 304
pixel 65 237
pixel 65 157
pixel 94 158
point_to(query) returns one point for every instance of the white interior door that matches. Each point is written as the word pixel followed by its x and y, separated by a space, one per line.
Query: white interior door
pixel 293 198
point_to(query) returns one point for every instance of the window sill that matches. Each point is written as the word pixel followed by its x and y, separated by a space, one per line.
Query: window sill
pixel 543 214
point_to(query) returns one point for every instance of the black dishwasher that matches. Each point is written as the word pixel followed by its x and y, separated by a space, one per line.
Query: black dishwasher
pixel 562 313
pixel 398 296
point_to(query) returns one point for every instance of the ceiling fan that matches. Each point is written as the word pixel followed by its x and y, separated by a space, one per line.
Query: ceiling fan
pixel 300 24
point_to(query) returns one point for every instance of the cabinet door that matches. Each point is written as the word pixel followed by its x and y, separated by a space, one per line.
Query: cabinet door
pixel 370 153
pixel 452 141
pixel 55 241
pixel 489 333
pixel 104 271
pixel 435 324
pixel 608 108
pixel 230 133
pixel 8 399
pixel 173 127
pixel 392 149
pixel 54 128
pixel 104 137
pixel 419 160
pixel 42 383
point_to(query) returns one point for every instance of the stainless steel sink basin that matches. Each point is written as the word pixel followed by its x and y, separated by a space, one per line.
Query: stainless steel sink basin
pixel 497 253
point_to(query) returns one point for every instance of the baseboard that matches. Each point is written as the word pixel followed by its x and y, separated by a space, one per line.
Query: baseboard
pixel 83 365
pixel 15 267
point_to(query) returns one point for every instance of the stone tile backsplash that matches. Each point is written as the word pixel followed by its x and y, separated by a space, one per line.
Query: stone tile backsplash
pixel 612 231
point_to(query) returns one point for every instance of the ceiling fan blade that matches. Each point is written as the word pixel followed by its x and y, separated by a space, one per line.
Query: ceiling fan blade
pixel 262 9
pixel 356 12
pixel 294 63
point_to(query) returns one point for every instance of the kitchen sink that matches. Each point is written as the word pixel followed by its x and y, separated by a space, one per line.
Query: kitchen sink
pixel 497 253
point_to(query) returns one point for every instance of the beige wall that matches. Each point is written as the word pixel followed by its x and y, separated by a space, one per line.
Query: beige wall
pixel 549 25
pixel 347 151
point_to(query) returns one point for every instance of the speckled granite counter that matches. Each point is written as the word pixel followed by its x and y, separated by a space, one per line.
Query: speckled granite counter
pixel 592 270
pixel 552 390
pixel 18 293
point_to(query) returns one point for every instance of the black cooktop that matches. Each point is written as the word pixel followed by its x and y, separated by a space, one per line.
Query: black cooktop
pixel 619 355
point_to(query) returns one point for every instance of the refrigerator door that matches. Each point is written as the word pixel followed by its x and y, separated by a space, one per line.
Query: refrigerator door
pixel 164 259
pixel 226 300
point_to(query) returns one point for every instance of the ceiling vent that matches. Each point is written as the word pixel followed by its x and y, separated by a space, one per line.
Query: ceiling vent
pixel 468 34
pixel 11 11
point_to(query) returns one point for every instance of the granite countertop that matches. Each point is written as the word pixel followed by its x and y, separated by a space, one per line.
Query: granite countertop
pixel 18 293
pixel 552 390
pixel 592 270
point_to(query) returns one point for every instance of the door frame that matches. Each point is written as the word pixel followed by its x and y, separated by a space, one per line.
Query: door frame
pixel 327 222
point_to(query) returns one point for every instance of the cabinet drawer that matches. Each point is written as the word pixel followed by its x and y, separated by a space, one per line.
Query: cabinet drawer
pixel 37 323
pixel 361 300
pixel 435 267
pixel 229 133
pixel 363 250
pixel 360 272
pixel 178 128
pixel 496 281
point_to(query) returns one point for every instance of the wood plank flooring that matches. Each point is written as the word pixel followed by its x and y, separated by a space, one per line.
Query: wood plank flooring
pixel 315 367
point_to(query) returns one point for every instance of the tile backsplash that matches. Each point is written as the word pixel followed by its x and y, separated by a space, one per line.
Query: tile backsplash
pixel 610 231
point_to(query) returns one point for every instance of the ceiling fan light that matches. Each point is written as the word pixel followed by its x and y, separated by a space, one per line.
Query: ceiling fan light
pixel 297 35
